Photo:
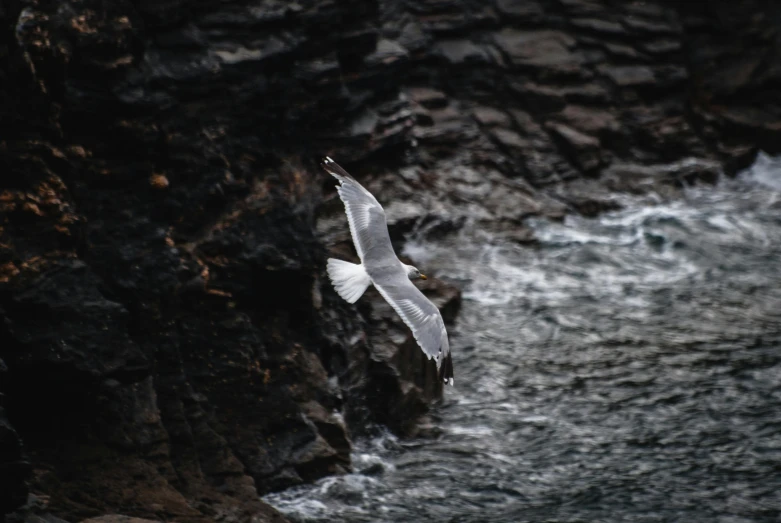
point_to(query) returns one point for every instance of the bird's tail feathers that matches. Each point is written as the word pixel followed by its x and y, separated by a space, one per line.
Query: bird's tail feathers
pixel 350 279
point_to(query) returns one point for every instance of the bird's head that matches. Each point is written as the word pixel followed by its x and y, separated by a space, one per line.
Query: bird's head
pixel 414 273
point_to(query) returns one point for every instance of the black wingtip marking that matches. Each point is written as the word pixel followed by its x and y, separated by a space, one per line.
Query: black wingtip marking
pixel 334 168
pixel 446 370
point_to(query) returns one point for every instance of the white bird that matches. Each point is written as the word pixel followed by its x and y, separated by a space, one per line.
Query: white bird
pixel 380 266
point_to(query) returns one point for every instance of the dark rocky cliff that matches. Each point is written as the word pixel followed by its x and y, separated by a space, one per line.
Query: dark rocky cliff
pixel 169 345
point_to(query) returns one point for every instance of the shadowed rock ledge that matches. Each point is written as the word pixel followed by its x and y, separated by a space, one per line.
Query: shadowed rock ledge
pixel 170 346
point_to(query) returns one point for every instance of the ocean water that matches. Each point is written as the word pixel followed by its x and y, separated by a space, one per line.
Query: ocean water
pixel 628 368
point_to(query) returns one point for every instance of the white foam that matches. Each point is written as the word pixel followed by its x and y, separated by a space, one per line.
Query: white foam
pixel 765 171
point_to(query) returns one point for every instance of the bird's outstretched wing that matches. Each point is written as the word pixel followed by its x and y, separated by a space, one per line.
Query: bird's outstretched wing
pixel 364 213
pixel 421 316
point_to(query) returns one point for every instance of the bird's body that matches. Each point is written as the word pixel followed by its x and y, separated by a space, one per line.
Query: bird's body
pixel 381 267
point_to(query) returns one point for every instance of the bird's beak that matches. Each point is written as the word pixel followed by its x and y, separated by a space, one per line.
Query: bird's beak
pixel 423 276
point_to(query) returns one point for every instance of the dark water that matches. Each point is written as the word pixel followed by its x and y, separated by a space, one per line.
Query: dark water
pixel 629 369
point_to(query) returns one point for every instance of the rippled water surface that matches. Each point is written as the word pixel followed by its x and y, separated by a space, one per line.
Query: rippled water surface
pixel 627 369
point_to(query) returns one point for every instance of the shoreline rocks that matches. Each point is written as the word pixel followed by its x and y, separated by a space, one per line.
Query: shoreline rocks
pixel 172 344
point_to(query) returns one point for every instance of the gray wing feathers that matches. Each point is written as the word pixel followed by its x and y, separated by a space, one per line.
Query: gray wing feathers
pixel 364 213
pixel 419 314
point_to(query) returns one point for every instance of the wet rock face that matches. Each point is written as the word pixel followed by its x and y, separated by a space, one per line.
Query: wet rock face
pixel 172 344
pixel 13 467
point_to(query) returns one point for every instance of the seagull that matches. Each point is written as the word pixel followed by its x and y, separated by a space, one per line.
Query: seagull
pixel 381 267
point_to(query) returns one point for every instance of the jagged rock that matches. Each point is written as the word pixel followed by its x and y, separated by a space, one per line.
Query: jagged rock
pixel 387 52
pixel 527 10
pixel 116 518
pixel 641 179
pixel 62 321
pixel 161 258
pixel 622 51
pixel 547 50
pixel 588 197
pixel 457 52
pixel 540 98
pixel 510 203
pixel 413 37
pixel 583 7
pixel 449 128
pixel 448 17
pixel 27 515
pixel 629 75
pixel 651 26
pixel 662 46
pixel 598 26
pixel 49 518
pixel 13 468
pixel 589 93
pixel 648 9
pixel 541 160
pixel 670 76
pixel 591 120
pixel 491 117
pixel 583 149
pixel 427 97
pixel 510 140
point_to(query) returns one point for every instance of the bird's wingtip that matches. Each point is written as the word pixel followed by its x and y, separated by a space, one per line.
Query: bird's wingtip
pixel 446 371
